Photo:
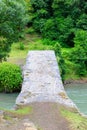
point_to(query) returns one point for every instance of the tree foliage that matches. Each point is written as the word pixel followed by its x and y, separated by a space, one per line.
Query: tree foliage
pixel 59 19
pixel 66 22
pixel 12 22
pixel 79 52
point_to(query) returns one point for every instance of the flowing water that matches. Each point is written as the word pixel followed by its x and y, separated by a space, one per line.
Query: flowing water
pixel 78 94
pixel 7 101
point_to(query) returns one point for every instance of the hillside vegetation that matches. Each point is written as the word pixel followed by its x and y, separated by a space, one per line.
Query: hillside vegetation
pixel 61 25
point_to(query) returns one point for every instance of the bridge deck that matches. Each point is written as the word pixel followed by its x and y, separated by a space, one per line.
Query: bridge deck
pixel 42 81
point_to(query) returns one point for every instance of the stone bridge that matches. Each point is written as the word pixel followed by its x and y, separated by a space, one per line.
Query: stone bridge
pixel 42 81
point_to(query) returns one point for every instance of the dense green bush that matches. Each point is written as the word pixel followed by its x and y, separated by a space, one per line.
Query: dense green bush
pixel 10 77
pixel 38 25
pixel 50 30
pixel 63 21
pixel 59 19
pixel 79 52
pixel 48 42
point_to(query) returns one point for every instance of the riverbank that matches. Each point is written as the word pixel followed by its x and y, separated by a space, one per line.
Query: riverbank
pixel 44 116
pixel 77 81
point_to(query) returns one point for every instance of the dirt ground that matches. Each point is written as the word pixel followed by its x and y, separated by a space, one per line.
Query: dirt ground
pixel 45 116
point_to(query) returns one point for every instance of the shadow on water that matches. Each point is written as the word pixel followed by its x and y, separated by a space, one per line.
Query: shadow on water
pixel 7 101
pixel 78 94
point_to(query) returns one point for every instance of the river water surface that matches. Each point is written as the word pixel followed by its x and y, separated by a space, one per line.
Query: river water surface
pixel 78 93
pixel 7 101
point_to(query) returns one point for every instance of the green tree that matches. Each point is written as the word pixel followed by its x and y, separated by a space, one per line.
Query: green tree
pixel 59 19
pixel 12 22
pixel 50 30
pixel 79 52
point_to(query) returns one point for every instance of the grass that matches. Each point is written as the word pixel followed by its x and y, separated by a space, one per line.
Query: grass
pixel 31 42
pixel 23 111
pixel 38 128
pixel 77 122
pixel 10 114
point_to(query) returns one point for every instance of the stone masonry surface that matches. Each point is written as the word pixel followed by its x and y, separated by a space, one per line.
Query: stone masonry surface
pixel 42 81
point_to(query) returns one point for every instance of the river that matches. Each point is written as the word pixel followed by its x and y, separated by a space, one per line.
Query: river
pixel 7 101
pixel 78 93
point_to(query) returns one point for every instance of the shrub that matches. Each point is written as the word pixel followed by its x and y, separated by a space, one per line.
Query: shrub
pixel 10 77
pixel 78 54
pixel 48 42
pixel 38 24
pixel 21 45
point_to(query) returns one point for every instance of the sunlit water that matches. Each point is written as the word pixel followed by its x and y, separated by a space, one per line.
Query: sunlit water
pixel 78 93
pixel 7 101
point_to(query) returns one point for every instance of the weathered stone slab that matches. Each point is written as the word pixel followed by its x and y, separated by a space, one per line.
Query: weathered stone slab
pixel 42 81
